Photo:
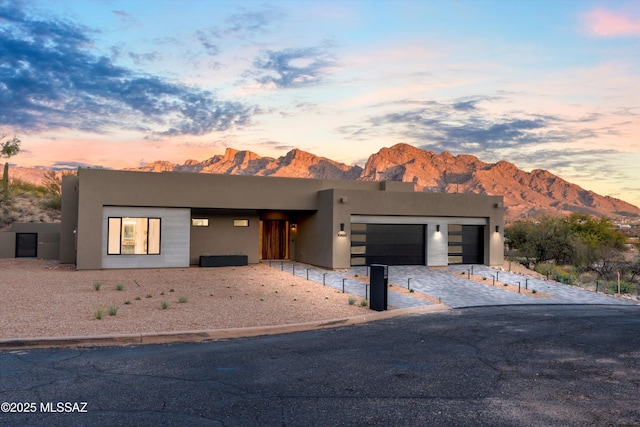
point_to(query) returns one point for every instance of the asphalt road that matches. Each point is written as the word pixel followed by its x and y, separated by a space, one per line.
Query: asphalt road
pixel 492 366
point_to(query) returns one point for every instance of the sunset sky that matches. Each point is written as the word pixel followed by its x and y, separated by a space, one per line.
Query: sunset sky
pixel 543 84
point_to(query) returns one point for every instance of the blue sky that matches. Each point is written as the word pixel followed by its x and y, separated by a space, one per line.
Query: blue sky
pixel 543 84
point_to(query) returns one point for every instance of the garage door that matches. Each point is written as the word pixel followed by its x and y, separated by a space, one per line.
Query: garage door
pixel 466 244
pixel 391 244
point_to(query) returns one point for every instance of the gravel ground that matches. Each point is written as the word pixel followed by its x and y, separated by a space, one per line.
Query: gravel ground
pixel 46 299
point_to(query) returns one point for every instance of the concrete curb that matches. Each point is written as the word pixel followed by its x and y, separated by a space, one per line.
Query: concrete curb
pixel 208 335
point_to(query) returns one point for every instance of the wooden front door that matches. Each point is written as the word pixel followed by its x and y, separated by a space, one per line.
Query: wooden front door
pixel 275 238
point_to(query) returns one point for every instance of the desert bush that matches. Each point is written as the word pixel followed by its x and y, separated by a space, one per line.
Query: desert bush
pixel 625 287
pixel 561 273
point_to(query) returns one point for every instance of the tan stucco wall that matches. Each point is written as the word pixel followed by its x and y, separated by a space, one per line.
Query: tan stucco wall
pixel 48 240
pixel 69 219
pixel 459 205
pixel 222 238
pixel 315 242
pixel 7 244
pixel 97 188
pixel 318 206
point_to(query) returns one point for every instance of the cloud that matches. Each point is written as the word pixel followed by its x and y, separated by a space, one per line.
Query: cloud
pixel 561 159
pixel 276 145
pixel 244 25
pixel 252 22
pixel 127 19
pixel 142 58
pixel 62 166
pixel 51 79
pixel 206 40
pixel 294 67
pixel 466 127
pixel 606 23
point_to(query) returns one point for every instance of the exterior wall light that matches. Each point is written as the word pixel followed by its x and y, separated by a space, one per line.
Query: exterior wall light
pixel 497 228
pixel 342 233
pixel 438 228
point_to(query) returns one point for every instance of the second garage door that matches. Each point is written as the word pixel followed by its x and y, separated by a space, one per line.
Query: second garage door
pixel 391 244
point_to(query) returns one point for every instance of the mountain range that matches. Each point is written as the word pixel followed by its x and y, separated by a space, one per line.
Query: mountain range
pixel 525 193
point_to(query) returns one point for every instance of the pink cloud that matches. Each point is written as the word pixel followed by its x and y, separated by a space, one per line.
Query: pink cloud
pixel 607 23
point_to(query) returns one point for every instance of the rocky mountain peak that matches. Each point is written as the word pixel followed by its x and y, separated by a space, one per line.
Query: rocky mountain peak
pixel 525 193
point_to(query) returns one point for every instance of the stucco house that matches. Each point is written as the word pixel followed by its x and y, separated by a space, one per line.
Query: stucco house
pixel 124 219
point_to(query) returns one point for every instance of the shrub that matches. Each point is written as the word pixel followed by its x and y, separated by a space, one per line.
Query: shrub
pixel 119 287
pixel 164 304
pixel 96 285
pixel 182 300
pixel 364 303
pixel 113 310
pixel 98 313
pixel 625 287
pixel 352 300
pixel 563 274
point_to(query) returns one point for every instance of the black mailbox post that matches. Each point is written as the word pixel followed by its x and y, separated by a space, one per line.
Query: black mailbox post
pixel 379 279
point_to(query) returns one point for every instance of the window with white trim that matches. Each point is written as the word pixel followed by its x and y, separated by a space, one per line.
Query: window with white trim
pixel 133 236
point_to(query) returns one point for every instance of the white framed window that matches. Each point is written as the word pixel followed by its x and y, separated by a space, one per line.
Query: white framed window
pixel 133 236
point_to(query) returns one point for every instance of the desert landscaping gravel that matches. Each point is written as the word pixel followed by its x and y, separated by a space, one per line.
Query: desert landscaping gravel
pixel 46 299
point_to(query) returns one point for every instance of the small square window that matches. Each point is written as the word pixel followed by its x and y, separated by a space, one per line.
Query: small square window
pixel 200 222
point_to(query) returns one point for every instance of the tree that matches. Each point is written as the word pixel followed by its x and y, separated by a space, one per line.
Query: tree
pixel 53 185
pixel 8 149
pixel 547 240
pixel 584 241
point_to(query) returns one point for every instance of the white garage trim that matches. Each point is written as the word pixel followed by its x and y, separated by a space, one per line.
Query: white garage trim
pixel 429 220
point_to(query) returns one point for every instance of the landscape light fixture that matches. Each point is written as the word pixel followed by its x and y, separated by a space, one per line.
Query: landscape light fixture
pixel 342 233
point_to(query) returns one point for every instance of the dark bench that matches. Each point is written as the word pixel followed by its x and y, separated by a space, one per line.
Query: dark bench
pixel 223 260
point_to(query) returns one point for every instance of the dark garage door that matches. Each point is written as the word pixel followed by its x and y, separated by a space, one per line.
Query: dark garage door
pixel 466 244
pixel 26 245
pixel 391 244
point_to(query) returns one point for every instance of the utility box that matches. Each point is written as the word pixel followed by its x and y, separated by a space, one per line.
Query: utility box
pixel 378 282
